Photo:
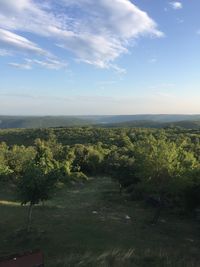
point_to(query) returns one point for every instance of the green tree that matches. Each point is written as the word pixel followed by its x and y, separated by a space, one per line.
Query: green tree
pixel 35 186
pixel 163 167
pixel 38 179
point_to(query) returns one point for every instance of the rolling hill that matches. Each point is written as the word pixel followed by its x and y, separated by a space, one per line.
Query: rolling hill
pixel 194 125
pixel 147 121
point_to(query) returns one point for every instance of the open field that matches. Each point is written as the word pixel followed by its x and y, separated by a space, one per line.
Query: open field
pixel 86 226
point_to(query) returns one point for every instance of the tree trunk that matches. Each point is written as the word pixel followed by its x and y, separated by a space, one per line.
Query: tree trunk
pixel 120 189
pixel 158 210
pixel 29 217
pixel 157 215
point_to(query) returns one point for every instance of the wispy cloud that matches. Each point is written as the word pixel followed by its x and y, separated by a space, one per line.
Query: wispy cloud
pixel 176 5
pixel 98 35
pixel 13 40
pixel 22 66
pixel 4 52
pixel 105 30
pixel 49 63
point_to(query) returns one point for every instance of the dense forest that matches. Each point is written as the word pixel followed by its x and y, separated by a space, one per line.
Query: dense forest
pixel 158 167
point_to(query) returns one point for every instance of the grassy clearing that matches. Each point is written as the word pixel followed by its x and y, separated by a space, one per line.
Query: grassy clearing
pixel 87 226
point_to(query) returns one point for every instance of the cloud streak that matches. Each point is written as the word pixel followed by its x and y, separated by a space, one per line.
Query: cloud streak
pixel 51 64
pixel 24 66
pixel 12 40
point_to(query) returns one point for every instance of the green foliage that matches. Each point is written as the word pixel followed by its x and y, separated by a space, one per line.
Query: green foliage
pixel 160 162
pixel 18 157
pixel 4 167
pixel 39 177
pixel 35 185
pixel 88 159
pixel 120 164
pixel 164 169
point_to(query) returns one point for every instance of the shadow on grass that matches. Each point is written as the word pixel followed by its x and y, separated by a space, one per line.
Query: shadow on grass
pixel 129 258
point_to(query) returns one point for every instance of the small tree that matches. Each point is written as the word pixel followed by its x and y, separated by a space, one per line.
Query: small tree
pixel 121 167
pixel 34 187
pixel 38 179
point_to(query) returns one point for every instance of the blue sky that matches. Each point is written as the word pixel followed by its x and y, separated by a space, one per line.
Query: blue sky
pixel 89 57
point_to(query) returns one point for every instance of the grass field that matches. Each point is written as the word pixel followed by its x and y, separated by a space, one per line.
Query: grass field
pixel 87 226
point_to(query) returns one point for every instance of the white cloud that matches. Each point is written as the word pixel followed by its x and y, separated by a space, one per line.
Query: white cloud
pixel 13 40
pixel 176 5
pixel 51 64
pixel 96 34
pixel 25 66
pixel 105 30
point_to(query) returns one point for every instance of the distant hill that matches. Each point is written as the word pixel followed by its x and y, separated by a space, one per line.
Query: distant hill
pixel 40 122
pixel 144 117
pixel 147 121
pixel 185 124
pixel 195 125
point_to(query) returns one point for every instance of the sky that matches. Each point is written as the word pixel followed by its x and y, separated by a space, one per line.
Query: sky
pixel 99 57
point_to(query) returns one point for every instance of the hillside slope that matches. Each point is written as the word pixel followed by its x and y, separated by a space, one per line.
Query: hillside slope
pixel 88 226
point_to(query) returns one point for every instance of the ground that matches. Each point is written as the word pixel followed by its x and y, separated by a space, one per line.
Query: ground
pixel 92 225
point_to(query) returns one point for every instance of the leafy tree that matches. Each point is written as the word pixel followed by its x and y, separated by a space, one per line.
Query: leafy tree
pixel 121 166
pixel 88 159
pixel 35 186
pixel 162 168
pixel 38 179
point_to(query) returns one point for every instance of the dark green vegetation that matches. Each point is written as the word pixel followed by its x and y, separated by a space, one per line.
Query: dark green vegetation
pixel 146 121
pixel 145 214
pixel 7 122
pixel 156 124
